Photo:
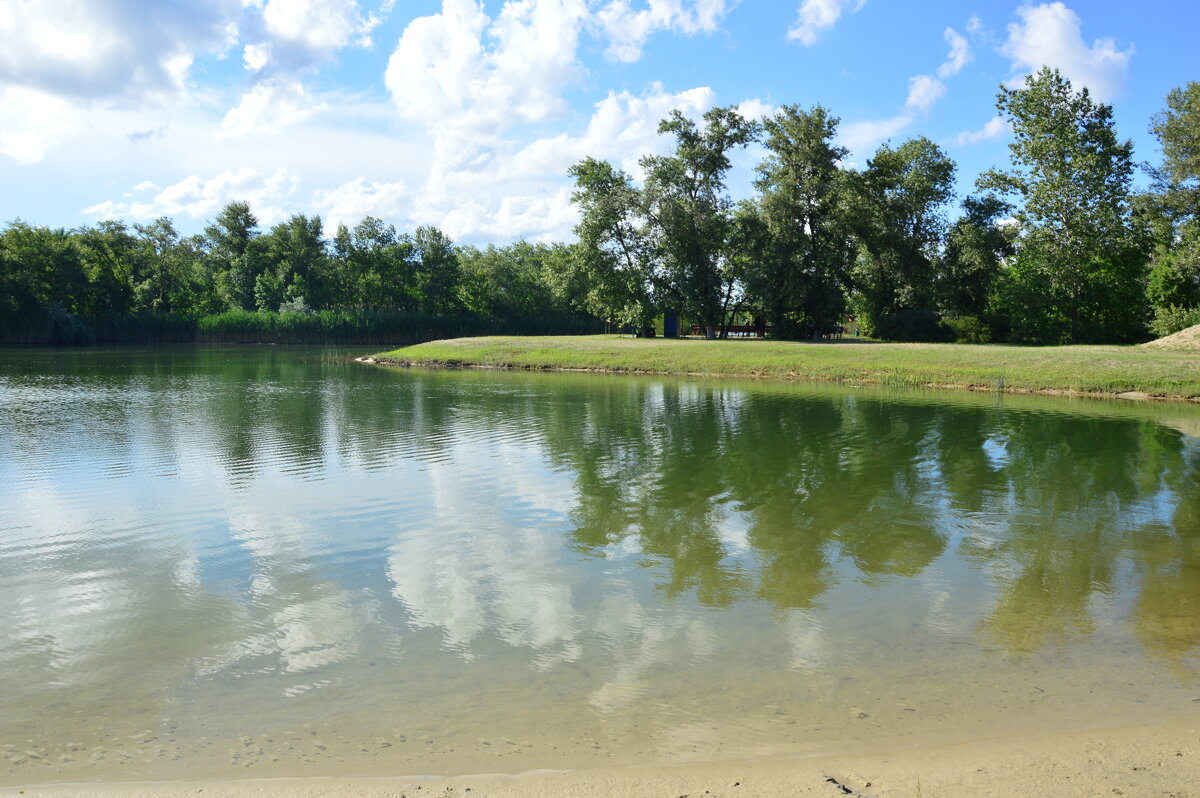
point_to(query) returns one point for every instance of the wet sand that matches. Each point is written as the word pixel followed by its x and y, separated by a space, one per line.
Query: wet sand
pixel 1144 760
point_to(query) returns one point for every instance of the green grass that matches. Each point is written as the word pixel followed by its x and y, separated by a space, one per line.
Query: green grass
pixel 1102 370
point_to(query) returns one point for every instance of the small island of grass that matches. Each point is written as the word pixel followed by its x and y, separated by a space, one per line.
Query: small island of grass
pixel 1133 372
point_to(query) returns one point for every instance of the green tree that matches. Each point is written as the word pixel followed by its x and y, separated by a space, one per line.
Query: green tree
pixel 42 280
pixel 166 280
pixel 899 216
pixel 234 262
pixel 1078 272
pixel 437 271
pixel 1177 129
pixel 614 258
pixel 1174 280
pixel 685 200
pixel 375 266
pixel 297 265
pixel 108 253
pixel 506 282
pixel 977 246
pixel 802 200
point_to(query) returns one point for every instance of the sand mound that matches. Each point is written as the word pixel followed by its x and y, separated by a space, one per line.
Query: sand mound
pixel 1183 341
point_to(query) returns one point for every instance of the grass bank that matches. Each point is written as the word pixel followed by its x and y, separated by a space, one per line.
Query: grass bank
pixel 1088 370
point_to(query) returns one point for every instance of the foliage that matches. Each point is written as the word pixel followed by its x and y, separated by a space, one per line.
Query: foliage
pixel 1174 209
pixel 1078 272
pixel 801 276
pixel 969 329
pixel 112 283
pixel 977 245
pixel 912 324
pixel 689 213
pixel 900 220
pixel 1178 131
pixel 1172 318
pixel 615 255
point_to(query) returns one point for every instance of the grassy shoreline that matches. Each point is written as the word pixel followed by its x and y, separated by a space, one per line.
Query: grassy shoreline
pixel 1106 371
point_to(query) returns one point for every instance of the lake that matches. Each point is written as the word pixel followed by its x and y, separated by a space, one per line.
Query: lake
pixel 257 562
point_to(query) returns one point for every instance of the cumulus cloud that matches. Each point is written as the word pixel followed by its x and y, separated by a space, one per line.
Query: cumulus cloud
pixel 31 122
pixel 255 56
pixel 200 198
pixel 443 74
pixel 350 202
pixel 318 28
pixel 1051 34
pixel 270 107
pixel 815 16
pixel 470 79
pixel 959 55
pixel 996 127
pixel 518 190
pixel 623 128
pixel 627 29
pixel 105 49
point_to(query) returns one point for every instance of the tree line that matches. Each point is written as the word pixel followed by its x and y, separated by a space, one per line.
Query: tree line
pixel 1057 248
pixel 235 281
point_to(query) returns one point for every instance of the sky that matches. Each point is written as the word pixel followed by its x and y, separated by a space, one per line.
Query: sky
pixel 467 115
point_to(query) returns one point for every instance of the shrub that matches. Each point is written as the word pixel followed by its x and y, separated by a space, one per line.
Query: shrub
pixel 969 329
pixel 1173 318
pixel 913 325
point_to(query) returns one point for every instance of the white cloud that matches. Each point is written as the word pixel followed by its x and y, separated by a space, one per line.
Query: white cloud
pixel 627 29
pixel 318 26
pixel 469 79
pixel 817 15
pixel 124 49
pixel 623 128
pixel 442 74
pixel 350 202
pixel 923 92
pixel 860 137
pixel 754 109
pixel 1051 35
pixel 268 108
pixel 995 128
pixel 959 55
pixel 517 191
pixel 31 122
pixel 198 198
pixel 255 56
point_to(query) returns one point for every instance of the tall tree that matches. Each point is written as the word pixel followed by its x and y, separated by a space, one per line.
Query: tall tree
pixel 614 259
pixel 977 246
pixel 685 199
pixel 166 278
pixel 901 223
pixel 1078 273
pixel 234 263
pixel 437 271
pixel 803 195
pixel 1174 281
pixel 297 265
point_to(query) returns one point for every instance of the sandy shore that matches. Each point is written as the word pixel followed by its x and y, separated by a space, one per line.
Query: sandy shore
pixel 1155 760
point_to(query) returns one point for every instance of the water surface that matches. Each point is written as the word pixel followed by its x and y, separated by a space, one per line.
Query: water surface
pixel 271 561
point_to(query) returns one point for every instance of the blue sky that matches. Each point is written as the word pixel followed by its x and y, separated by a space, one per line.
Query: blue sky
pixel 466 115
